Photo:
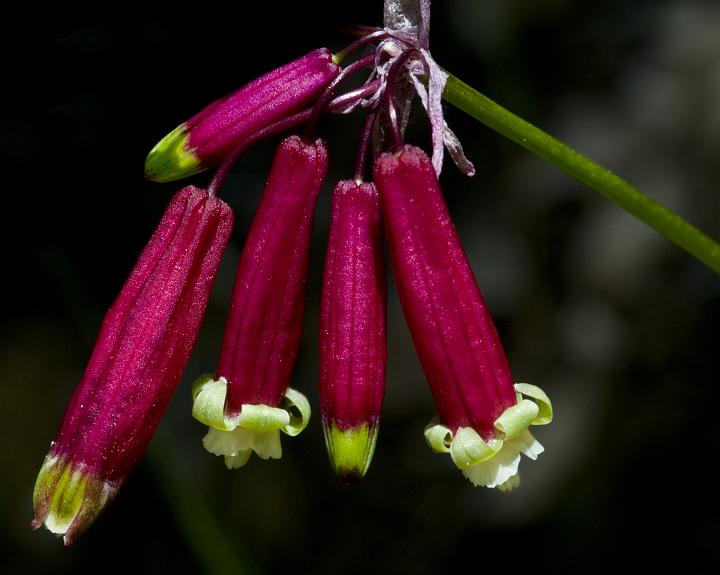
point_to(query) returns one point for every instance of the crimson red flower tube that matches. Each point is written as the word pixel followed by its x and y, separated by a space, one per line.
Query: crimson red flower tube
pixel 483 417
pixel 353 347
pixel 142 349
pixel 248 402
pixel 211 135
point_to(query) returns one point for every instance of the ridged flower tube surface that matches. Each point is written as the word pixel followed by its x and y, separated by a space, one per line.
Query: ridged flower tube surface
pixel 142 349
pixel 483 416
pixel 248 402
pixel 353 346
pixel 209 136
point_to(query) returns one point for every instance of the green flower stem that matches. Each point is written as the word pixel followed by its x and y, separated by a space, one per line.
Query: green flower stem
pixel 213 549
pixel 661 219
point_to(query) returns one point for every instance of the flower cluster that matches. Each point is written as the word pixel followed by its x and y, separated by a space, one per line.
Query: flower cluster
pixel 146 337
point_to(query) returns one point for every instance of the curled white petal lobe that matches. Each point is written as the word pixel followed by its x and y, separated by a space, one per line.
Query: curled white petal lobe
pixel 255 429
pixel 495 462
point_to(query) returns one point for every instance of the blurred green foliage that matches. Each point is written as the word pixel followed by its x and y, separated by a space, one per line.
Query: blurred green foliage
pixel 614 322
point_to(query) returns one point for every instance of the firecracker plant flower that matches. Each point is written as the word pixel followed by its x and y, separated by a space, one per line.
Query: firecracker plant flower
pixel 142 349
pixel 245 412
pixel 248 402
pixel 483 416
pixel 353 348
pixel 207 138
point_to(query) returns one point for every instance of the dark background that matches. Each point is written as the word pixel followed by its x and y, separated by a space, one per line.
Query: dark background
pixel 618 325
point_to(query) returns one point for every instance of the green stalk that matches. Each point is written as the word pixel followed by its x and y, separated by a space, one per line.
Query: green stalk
pixel 615 189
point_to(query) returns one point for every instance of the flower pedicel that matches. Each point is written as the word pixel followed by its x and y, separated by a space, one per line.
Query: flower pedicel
pixel 142 349
pixel 483 417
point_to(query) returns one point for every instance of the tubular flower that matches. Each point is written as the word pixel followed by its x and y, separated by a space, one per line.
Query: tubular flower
pixel 353 347
pixel 209 136
pixel 141 352
pixel 483 418
pixel 248 402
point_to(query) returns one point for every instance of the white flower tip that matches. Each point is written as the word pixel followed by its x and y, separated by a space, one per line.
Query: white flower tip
pixel 510 484
pixel 218 442
pixel 237 445
pixel 492 463
pixel 533 449
pixel 256 429
pixel 266 444
pixel 502 469
pixel 238 460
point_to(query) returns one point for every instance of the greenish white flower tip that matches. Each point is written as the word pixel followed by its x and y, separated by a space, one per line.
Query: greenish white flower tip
pixel 255 429
pixel 67 498
pixel 172 159
pixel 494 463
pixel 350 450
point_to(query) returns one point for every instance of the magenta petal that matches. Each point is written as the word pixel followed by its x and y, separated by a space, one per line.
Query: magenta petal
pixel 263 329
pixel 210 136
pixel 452 330
pixel 213 132
pixel 142 349
pixel 353 347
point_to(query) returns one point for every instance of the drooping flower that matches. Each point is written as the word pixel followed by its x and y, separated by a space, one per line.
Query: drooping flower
pixel 142 349
pixel 208 137
pixel 248 402
pixel 353 347
pixel 483 416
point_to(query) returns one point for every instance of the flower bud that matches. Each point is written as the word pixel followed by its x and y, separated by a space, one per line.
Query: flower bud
pixel 209 136
pixel 353 346
pixel 142 349
pixel 248 402
pixel 483 418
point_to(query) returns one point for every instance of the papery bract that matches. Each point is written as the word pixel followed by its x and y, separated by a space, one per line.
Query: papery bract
pixel 353 347
pixel 212 134
pixel 142 349
pixel 248 402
